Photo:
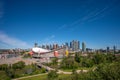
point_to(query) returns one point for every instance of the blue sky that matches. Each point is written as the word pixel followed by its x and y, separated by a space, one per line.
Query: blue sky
pixel 24 22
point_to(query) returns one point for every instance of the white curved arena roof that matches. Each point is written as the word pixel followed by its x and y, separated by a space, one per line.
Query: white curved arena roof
pixel 40 50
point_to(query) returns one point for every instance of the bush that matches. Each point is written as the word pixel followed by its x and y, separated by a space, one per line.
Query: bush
pixel 29 69
pixel 108 71
pixel 52 75
pixel 43 70
pixel 99 58
pixel 18 65
pixel 110 58
pixel 10 73
pixel 69 63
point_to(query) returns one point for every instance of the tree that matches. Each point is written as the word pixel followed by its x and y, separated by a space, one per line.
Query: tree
pixel 69 63
pixel 77 57
pixel 18 65
pixel 52 75
pixel 110 58
pixel 86 62
pixel 10 73
pixel 3 67
pixel 99 58
pixel 108 71
pixel 29 69
pixel 55 61
pixel 75 75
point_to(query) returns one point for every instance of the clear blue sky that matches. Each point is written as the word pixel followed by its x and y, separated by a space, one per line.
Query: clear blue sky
pixel 23 22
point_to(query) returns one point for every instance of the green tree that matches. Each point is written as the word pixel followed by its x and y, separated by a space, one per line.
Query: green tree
pixel 110 58
pixel 99 58
pixel 55 61
pixel 3 67
pixel 18 65
pixel 108 71
pixel 78 57
pixel 86 62
pixel 52 75
pixel 10 73
pixel 69 63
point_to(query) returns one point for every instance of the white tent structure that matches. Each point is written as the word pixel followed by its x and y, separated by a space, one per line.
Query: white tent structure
pixel 40 50
pixel 41 53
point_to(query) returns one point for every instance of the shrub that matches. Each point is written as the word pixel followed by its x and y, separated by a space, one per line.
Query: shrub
pixel 52 75
pixel 18 65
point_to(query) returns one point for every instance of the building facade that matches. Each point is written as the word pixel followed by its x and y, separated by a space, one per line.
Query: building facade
pixel 83 47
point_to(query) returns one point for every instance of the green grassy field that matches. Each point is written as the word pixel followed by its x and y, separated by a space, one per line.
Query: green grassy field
pixel 44 77
pixel 80 68
pixel 3 76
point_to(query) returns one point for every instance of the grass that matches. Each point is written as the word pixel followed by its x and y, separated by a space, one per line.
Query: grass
pixel 67 70
pixel 44 77
pixel 80 68
pixel 41 77
pixel 3 76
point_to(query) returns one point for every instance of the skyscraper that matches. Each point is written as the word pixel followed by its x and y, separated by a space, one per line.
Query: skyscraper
pixel 66 44
pixel 51 47
pixel 70 44
pixel 114 49
pixel 43 46
pixel 83 47
pixel 35 44
pixel 47 47
pixel 74 45
pixel 54 46
pixel 78 44
pixel 108 49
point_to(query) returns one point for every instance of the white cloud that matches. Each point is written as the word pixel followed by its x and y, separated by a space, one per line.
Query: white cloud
pixel 91 15
pixel 48 40
pixel 62 27
pixel 13 42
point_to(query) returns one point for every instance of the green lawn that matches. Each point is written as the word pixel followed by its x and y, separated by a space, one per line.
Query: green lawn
pixel 41 77
pixel 66 70
pixel 44 77
pixel 80 68
pixel 3 76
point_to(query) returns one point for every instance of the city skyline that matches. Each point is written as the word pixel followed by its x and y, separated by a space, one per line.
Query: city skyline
pixel 24 22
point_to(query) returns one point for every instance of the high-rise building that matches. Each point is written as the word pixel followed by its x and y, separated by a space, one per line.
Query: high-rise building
pixel 70 44
pixel 51 47
pixel 74 45
pixel 54 46
pixel 108 49
pixel 43 46
pixel 66 44
pixel 78 44
pixel 114 49
pixel 36 45
pixel 57 46
pixel 83 47
pixel 47 47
